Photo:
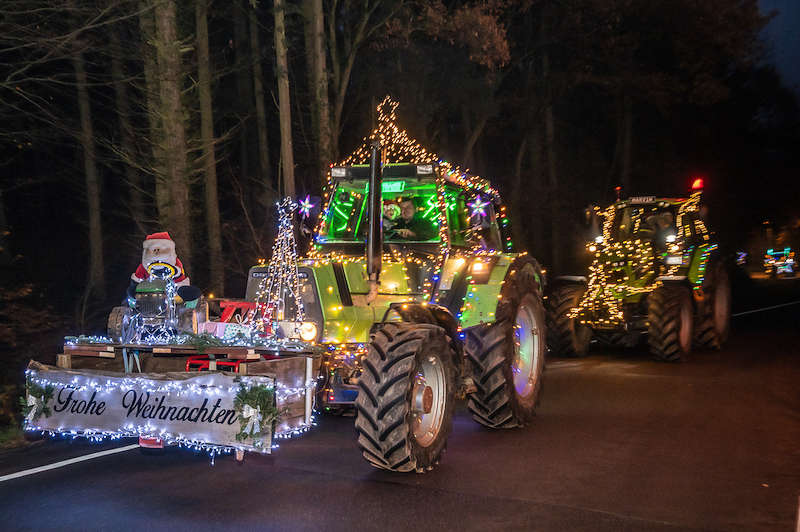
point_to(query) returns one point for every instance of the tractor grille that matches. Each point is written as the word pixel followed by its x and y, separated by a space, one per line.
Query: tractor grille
pixel 151 305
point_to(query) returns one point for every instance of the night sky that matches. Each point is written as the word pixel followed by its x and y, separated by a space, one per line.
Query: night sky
pixel 783 36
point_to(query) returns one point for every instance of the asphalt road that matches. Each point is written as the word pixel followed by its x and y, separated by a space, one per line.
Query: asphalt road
pixel 619 443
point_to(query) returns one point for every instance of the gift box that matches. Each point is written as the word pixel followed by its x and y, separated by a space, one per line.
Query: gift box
pixel 217 328
pixel 234 329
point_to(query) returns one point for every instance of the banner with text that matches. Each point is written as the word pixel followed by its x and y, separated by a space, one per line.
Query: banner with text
pixel 211 409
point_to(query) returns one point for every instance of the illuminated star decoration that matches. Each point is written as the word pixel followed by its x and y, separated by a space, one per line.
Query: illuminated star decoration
pixel 306 206
pixel 478 207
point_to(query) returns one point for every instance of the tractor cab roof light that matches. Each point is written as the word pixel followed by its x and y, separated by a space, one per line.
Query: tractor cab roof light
pixel 698 184
pixel 424 169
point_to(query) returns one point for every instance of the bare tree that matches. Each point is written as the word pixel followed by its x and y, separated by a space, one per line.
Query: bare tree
pixel 209 160
pixel 171 76
pixel 318 80
pixel 96 266
pixel 350 26
pixel 284 102
pixel 127 145
pixel 269 192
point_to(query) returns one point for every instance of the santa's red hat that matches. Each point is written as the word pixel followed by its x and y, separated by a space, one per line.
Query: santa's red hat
pixel 161 238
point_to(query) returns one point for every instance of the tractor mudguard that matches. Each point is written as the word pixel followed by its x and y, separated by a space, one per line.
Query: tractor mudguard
pixel 413 312
pixel 482 299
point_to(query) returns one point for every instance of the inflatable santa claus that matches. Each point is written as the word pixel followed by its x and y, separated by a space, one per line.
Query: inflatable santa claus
pixel 159 259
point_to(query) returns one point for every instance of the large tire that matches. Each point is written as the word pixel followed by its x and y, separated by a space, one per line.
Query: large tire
pixel 115 322
pixel 565 335
pixel 714 321
pixel 671 317
pixel 507 357
pixel 406 397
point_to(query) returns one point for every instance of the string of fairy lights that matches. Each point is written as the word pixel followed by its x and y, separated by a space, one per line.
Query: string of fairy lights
pixel 624 268
pixel 282 277
pixel 399 147
pixel 103 385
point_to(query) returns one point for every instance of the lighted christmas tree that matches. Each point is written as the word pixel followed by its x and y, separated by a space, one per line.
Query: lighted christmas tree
pixel 282 282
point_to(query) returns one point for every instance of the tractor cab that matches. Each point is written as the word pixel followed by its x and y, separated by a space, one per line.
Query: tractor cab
pixel 419 212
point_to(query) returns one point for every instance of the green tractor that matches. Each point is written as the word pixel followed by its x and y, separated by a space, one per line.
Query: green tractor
pixel 656 272
pixel 414 290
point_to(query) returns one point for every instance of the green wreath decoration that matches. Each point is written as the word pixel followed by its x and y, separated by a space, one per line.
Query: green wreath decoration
pixel 256 409
pixel 33 409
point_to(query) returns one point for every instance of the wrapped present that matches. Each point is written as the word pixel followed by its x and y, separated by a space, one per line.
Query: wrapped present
pixel 217 328
pixel 232 330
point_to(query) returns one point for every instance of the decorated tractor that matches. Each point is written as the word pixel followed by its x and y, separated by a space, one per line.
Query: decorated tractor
pixel 414 290
pixel 656 272
pixel 779 262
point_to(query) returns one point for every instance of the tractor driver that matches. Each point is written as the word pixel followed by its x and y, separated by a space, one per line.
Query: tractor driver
pixel 410 226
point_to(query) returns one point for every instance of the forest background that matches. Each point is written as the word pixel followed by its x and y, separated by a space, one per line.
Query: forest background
pixel 119 118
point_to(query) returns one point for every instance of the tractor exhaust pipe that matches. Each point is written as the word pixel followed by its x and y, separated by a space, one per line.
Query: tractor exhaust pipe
pixel 375 235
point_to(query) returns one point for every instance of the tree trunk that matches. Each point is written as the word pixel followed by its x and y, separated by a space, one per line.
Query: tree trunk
pixel 536 195
pixel 333 48
pixel 474 134
pixel 127 144
pixel 627 140
pixel 96 267
pixel 319 85
pixel 178 220
pixel 152 100
pixel 550 155
pixel 261 114
pixel 516 202
pixel 5 232
pixel 244 85
pixel 284 102
pixel 216 266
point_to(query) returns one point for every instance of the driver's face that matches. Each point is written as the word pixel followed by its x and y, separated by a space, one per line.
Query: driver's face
pixel 407 210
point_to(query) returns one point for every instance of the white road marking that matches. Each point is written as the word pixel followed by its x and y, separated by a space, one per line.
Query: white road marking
pixel 765 308
pixel 63 463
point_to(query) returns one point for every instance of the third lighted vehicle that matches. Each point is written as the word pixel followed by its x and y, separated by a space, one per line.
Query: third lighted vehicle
pixel 414 289
pixel 780 262
pixel 656 272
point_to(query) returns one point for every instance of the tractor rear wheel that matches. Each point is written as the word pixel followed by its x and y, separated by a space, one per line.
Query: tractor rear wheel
pixel 565 335
pixel 507 357
pixel 713 325
pixel 671 317
pixel 406 397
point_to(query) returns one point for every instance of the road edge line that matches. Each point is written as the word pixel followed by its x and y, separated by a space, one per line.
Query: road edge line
pixel 56 465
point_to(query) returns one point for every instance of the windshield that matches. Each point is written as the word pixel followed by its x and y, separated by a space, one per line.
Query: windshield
pixel 410 212
pixel 646 222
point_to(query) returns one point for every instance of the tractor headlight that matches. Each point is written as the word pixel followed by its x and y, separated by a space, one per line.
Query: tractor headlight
pixel 673 260
pixel 308 331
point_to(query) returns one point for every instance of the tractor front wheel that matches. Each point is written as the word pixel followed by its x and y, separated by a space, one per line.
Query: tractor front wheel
pixel 565 335
pixel 713 325
pixel 406 397
pixel 507 357
pixel 671 316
